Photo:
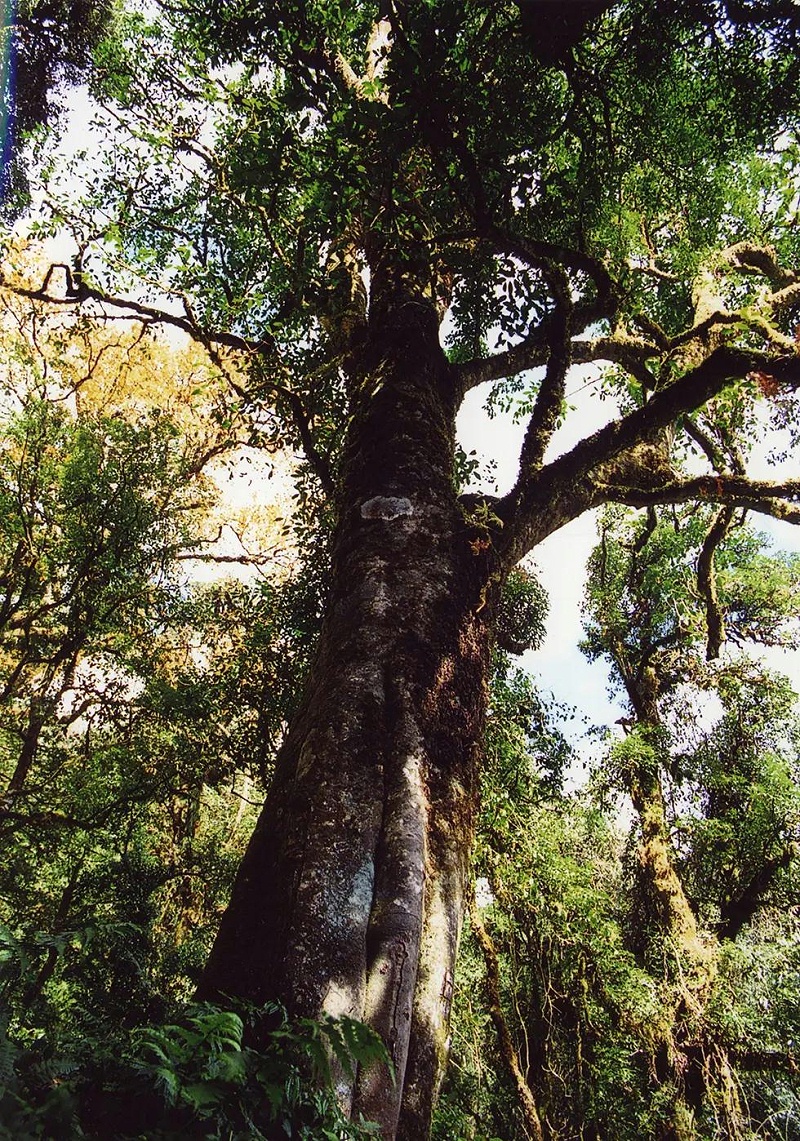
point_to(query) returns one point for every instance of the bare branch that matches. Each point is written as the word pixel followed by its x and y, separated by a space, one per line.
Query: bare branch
pixel 135 310
pixel 707 580
pixel 763 496
pixel 544 420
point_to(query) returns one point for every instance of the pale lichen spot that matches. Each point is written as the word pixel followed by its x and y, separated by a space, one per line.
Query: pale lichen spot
pixel 340 1001
pixel 386 507
pixel 361 892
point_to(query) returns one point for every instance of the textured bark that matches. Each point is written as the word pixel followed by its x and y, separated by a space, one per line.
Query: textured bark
pixel 707 582
pixel 667 909
pixel 349 898
pixel 667 912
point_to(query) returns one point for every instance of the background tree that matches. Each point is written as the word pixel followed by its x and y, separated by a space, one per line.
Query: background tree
pixel 663 638
pixel 138 709
pixel 314 187
pixel 633 987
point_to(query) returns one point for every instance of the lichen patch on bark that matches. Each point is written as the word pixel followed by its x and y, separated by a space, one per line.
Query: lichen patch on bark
pixel 386 507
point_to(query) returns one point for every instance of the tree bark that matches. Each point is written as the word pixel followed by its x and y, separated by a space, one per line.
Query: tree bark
pixel 350 895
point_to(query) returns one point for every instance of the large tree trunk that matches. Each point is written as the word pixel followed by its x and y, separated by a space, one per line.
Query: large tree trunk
pixel 349 899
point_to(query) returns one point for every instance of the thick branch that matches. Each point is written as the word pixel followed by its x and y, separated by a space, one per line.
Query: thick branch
pixel 629 352
pixel 535 253
pixel 748 257
pixel 707 325
pixel 785 298
pixel 545 500
pixel 530 353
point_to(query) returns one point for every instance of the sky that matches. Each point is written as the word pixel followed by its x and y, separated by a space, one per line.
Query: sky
pixel 558 665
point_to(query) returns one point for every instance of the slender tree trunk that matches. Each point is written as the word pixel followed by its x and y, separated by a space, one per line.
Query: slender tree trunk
pixel 508 1051
pixel 686 1058
pixel 667 913
pixel 350 896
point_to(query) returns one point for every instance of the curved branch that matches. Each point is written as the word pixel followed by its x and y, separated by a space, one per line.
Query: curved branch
pixel 543 501
pixel 318 462
pixel 785 298
pixel 136 310
pixel 534 253
pixel 707 581
pixel 750 258
pixel 703 328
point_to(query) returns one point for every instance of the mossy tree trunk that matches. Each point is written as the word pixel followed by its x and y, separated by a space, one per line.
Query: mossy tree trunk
pixel 350 897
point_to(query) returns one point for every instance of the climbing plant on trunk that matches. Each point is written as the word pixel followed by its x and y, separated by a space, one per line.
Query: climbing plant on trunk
pixel 377 208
